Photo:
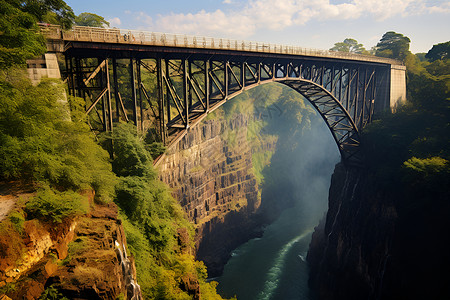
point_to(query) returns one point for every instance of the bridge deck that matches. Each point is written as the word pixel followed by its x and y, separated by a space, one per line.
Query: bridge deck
pixel 135 37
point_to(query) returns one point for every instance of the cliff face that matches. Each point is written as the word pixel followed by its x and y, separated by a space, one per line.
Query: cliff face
pixel 83 258
pixel 210 174
pixel 375 244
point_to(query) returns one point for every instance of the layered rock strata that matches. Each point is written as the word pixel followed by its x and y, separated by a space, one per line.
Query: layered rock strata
pixel 210 173
pixel 83 258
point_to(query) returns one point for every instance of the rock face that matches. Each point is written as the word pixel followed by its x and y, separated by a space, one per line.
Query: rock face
pixel 98 268
pixel 373 245
pixel 83 258
pixel 353 247
pixel 32 256
pixel 210 174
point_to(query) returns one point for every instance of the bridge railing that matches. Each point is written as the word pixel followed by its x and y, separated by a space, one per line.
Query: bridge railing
pixel 114 35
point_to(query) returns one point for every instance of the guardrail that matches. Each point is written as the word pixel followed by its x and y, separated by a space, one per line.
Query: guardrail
pixel 124 36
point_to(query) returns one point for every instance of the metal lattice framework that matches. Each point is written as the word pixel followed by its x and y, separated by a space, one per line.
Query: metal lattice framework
pixel 166 90
pixel 168 94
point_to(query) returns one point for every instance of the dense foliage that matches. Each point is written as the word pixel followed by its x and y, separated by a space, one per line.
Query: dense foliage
pixel 414 142
pixel 44 139
pixel 40 141
pixel 157 233
pixel 408 157
pixel 52 206
pixel 20 38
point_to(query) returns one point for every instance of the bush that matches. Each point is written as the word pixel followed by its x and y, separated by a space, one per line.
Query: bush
pixel 44 139
pixel 51 206
pixel 17 219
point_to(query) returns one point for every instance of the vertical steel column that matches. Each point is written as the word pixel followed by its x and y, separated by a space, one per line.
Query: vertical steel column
pixel 68 73
pixel 188 85
pixel 186 91
pixel 300 70
pixel 274 71
pixel 161 100
pixel 167 77
pixel 355 114
pixel 133 91
pixel 116 89
pixel 108 96
pixel 104 104
pixel 79 78
pixel 243 75
pixel 141 108
pixel 332 80
pixel 322 75
pixel 374 95
pixel 207 84
pixel 364 99
pixel 225 79
pixel 349 85
pixel 258 72
pixel 341 74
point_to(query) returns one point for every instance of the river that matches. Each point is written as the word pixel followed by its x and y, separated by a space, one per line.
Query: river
pixel 273 267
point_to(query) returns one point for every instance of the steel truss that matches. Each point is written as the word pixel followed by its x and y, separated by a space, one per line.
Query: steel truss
pixel 168 94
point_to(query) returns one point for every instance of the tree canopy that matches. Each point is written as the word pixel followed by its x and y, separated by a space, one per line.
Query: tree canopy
pixel 349 45
pixel 91 20
pixel 45 10
pixel 393 45
pixel 439 51
pixel 20 38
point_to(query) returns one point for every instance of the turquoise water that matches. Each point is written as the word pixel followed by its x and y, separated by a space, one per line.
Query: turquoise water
pixel 273 267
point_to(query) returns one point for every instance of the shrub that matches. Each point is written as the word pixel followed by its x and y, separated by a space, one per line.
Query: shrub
pixel 17 219
pixel 52 206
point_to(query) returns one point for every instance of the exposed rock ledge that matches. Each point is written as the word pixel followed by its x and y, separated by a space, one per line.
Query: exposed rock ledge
pixel 93 266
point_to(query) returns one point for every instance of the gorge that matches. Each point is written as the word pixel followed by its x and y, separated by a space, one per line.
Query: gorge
pixel 194 180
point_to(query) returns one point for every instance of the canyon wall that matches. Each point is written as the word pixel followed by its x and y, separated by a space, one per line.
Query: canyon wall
pixel 380 242
pixel 210 173
pixel 82 258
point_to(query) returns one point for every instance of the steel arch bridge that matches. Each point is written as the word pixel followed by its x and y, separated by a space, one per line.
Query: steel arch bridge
pixel 169 84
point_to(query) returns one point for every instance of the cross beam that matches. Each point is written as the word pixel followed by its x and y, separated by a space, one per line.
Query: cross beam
pixel 168 93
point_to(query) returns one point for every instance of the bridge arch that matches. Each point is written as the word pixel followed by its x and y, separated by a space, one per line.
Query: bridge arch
pixel 192 80
pixel 335 116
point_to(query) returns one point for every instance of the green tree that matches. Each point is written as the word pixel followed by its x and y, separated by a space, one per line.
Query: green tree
pixel 91 20
pixel 19 34
pixel 439 52
pixel 349 45
pixel 42 10
pixel 39 142
pixel 19 39
pixel 393 45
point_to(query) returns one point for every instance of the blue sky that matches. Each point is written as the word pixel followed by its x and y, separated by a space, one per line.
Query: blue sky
pixel 305 23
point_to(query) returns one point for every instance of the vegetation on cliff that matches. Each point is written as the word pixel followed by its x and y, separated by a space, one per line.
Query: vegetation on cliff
pixel 44 140
pixel 412 146
pixel 158 234
pixel 385 235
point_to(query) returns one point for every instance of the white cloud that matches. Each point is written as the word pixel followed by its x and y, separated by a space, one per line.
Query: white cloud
pixel 143 19
pixel 244 19
pixel 207 23
pixel 114 22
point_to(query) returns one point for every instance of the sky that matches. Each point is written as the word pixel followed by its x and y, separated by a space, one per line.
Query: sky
pixel 305 23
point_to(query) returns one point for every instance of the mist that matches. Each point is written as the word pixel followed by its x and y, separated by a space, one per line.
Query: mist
pixel 294 198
